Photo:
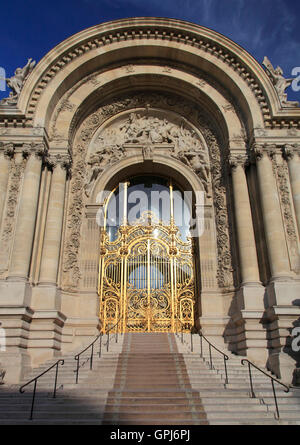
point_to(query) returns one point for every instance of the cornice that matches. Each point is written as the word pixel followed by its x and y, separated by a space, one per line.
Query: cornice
pixel 149 29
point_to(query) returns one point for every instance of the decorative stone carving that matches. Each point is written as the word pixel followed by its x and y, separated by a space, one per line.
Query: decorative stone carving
pixel 290 151
pixel 162 130
pixel 289 223
pixel 54 160
pixel 198 162
pixel 143 128
pixel 38 150
pixel 280 82
pixel 225 266
pixel 129 69
pixel 148 152
pixel 16 82
pixel 70 267
pixel 16 174
pixel 227 108
pixel 201 83
pixel 8 150
pixel 229 58
pixel 261 150
pixel 257 152
pixel 236 160
pixel 99 161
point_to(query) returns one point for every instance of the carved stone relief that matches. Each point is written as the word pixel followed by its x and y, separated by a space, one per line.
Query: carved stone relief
pixel 146 129
pixel 15 179
pixel 141 128
pixel 289 223
pixel 225 265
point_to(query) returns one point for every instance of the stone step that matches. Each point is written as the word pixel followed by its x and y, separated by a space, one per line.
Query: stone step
pixel 146 383
pixel 162 415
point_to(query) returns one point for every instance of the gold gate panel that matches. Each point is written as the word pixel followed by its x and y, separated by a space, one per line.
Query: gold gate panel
pixel 146 278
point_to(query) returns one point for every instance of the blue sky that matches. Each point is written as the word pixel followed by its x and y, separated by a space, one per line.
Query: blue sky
pixel 31 28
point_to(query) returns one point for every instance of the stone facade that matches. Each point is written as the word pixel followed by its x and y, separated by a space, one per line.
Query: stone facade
pixel 143 96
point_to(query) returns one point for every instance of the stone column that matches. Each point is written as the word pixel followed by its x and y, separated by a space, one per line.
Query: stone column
pixel 48 320
pixel 292 155
pixel 251 339
pixel 53 230
pixel 25 227
pixel 273 223
pixel 282 291
pixel 246 240
pixel 5 154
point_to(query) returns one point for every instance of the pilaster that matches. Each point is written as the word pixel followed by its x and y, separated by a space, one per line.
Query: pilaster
pixel 292 155
pixel 6 153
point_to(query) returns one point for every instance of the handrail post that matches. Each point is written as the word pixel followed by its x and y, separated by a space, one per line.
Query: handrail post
pixel 275 399
pixel 100 345
pixel 55 382
pixel 92 354
pixel 210 357
pixel 226 375
pixel 77 370
pixel 33 400
pixel 107 344
pixel 201 346
pixel 251 384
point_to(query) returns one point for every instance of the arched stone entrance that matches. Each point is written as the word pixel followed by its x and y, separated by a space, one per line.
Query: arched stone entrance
pixel 147 270
pixel 179 152
pixel 149 96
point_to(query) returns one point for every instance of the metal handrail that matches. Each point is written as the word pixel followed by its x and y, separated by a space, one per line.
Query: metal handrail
pixel 77 356
pixel 252 394
pixel 225 356
pixel 182 326
pixel 35 379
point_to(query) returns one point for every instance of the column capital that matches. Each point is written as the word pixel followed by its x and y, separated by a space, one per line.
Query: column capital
pixel 38 150
pixel 290 151
pixel 259 151
pixel 236 160
pixel 63 161
pixel 8 149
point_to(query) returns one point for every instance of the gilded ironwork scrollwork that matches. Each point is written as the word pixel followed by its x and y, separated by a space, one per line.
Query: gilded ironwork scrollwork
pixel 146 278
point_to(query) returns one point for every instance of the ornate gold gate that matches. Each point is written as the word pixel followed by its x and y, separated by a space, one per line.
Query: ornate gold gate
pixel 146 278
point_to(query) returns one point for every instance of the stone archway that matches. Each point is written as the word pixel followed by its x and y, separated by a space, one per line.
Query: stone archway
pixel 246 161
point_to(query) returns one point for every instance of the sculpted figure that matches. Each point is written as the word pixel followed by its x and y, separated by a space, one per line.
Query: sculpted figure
pixel 279 81
pixel 16 82
pixel 155 133
pixel 198 162
pixel 95 163
pixel 132 129
pixel 98 162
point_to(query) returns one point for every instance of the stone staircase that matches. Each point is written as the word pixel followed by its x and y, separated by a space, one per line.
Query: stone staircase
pixel 149 379
pixel 239 386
